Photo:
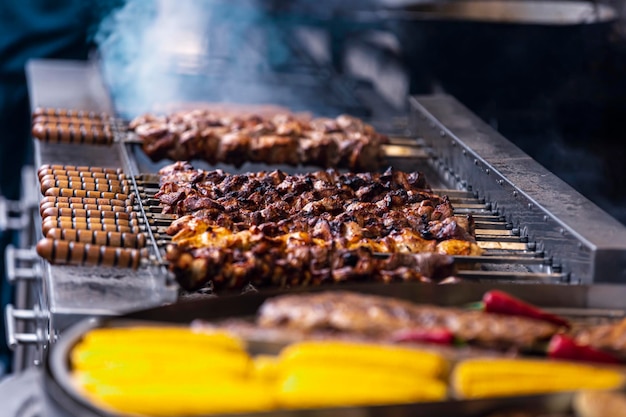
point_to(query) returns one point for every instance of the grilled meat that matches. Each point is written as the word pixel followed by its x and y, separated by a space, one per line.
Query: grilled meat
pixel 393 210
pixel 269 228
pixel 610 337
pixel 288 262
pixel 375 315
pixel 344 142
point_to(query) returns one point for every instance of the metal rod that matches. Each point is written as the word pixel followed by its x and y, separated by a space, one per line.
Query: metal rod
pixel 501 260
pixel 513 276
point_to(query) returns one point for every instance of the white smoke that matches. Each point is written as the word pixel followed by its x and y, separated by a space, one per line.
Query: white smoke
pixel 157 54
pixel 160 52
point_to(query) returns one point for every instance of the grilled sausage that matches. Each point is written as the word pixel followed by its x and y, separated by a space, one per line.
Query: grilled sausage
pixel 87 213
pixel 97 237
pixel 67 133
pixel 90 207
pixel 73 223
pixel 79 169
pixel 70 120
pixel 111 187
pixel 59 112
pixel 81 179
pixel 75 253
pixel 82 174
pixel 69 192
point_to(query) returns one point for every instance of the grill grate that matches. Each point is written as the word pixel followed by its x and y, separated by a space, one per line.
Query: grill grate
pixel 508 256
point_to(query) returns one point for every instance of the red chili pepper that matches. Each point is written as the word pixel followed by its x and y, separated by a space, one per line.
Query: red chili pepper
pixel 436 336
pixel 563 347
pixel 502 303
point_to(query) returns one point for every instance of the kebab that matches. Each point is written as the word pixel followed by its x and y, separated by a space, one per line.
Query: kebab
pixel 345 141
pixel 306 229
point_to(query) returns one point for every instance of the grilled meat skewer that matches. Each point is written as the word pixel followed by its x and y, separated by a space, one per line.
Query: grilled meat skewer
pixel 282 139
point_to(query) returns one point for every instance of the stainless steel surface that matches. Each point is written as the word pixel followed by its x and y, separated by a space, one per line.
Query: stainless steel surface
pixel 13 336
pixel 21 267
pixel 66 84
pixel 587 243
pixel 21 394
pixel 14 273
pixel 70 293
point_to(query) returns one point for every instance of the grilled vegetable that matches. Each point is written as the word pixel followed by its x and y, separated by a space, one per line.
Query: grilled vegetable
pixel 163 371
pixel 481 378
pixel 138 335
pixel 266 367
pixel 148 371
pixel 202 396
pixel 502 303
pixel 330 386
pixel 388 358
pixel 327 374
pixel 563 347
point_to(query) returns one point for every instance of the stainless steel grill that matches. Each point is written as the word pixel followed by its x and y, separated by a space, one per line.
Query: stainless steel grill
pixel 507 255
pixel 534 228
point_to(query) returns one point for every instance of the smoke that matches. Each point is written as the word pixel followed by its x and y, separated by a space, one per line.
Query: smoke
pixel 158 52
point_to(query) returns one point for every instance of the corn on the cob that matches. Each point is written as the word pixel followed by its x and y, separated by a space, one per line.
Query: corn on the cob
pixel 153 336
pixel 266 367
pixel 165 398
pixel 337 386
pixel 140 373
pixel 388 358
pixel 166 366
pixel 480 378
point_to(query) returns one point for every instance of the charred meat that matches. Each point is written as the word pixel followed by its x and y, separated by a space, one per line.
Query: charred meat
pixel 344 142
pixel 270 228
pixel 381 317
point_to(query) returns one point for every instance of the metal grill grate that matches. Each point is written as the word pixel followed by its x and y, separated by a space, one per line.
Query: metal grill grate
pixel 508 256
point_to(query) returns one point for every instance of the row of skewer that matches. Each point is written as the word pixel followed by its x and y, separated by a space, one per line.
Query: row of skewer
pixel 89 217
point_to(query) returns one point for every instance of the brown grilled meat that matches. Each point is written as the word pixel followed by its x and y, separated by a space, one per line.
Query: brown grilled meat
pixel 269 228
pixel 374 315
pixel 267 263
pixel 344 142
pixel 608 337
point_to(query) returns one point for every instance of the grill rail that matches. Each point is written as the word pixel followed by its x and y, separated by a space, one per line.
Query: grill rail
pixel 582 240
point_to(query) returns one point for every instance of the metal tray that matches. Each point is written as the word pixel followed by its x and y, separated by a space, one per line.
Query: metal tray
pixel 577 301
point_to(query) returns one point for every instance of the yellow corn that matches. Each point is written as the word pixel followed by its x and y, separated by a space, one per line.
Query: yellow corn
pixel 165 398
pixel 153 336
pixel 332 387
pixel 166 371
pixel 92 381
pixel 266 367
pixel 480 378
pixel 389 358
pixel 161 361
pixel 134 366
pixel 143 373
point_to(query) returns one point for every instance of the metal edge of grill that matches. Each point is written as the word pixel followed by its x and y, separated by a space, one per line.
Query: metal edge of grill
pixel 582 240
